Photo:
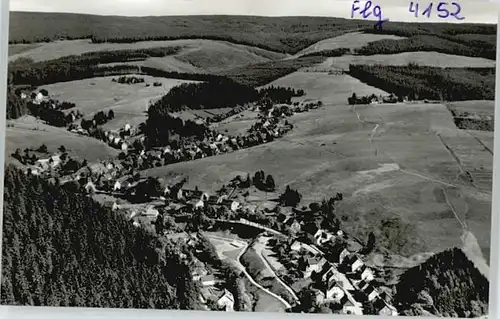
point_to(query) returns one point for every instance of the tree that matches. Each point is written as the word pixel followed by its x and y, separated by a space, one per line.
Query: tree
pixel 111 115
pixel 42 149
pixel 271 186
pixel 62 149
pixel 290 197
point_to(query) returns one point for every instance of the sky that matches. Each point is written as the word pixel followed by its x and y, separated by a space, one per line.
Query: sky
pixel 478 11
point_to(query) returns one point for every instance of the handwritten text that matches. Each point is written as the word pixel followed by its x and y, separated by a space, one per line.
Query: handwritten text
pixel 367 11
pixel 442 9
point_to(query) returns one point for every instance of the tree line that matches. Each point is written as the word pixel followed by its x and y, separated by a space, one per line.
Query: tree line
pixel 60 248
pixel 440 44
pixel 329 53
pixel 419 82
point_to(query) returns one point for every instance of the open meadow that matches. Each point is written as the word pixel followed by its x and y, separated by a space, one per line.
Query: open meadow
pixel 434 59
pixel 129 102
pixel 28 132
pixel 352 40
pixel 194 55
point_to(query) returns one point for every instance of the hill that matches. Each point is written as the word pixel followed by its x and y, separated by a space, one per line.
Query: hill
pixel 446 285
pixel 192 55
pixel 27 132
pixel 59 249
pixel 330 150
pixel 281 34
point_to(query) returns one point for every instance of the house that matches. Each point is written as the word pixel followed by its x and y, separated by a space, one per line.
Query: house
pixel 235 206
pixel 322 237
pixel 127 127
pixel 115 206
pixel 199 204
pixel 23 96
pixel 198 273
pixel 90 187
pixel 151 212
pixel 180 195
pixel 166 191
pixel 367 274
pixel 117 186
pixel 204 197
pixel 55 160
pixel 334 292
pixel 296 246
pixel 351 307
pixel 208 280
pixel 226 302
pixel 212 200
pixel 371 293
pixel 353 263
pixel 383 308
pixel 343 255
pixel 293 224
pixel 311 264
pixel 124 146
pixel 136 223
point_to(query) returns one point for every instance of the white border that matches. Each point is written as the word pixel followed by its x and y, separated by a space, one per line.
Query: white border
pixel 10 312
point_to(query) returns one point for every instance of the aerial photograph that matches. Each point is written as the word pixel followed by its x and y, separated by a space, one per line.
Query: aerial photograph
pixel 211 155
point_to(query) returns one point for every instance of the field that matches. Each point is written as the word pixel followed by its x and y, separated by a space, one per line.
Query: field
pixel 128 102
pixel 399 173
pixel 194 56
pixel 354 40
pixel 434 59
pixel 27 132
pixel 330 89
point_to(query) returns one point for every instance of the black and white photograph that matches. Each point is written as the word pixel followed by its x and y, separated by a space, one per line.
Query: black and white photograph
pixel 314 157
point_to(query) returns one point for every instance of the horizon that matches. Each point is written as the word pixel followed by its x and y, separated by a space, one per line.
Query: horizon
pixel 473 11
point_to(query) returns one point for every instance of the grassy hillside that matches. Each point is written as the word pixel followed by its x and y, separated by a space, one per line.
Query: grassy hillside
pixel 287 34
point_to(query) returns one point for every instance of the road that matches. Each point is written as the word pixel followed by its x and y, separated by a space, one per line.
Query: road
pixel 243 269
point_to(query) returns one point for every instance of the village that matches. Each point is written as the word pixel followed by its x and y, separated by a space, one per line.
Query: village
pixel 308 242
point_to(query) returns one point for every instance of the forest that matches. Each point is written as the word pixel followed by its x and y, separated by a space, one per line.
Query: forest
pixel 329 53
pixel 84 66
pixel 418 82
pixel 258 74
pixel 447 45
pixel 60 248
pixel 446 285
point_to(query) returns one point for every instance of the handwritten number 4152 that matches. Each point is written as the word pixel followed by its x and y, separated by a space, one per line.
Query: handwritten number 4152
pixel 443 12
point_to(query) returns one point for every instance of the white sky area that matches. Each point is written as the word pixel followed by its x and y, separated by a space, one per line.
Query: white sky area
pixel 477 11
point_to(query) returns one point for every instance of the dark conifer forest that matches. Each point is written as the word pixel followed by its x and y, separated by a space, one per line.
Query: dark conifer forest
pixel 62 249
pixel 447 284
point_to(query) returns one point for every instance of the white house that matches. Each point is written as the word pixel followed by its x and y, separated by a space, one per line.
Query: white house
pixel 226 302
pixel 356 265
pixel 208 281
pixel 204 197
pixel 115 206
pixel 235 206
pixel 90 187
pixel 343 255
pixel 23 96
pixel 117 186
pixel 167 150
pixel 55 160
pixel 367 275
pixel 166 191
pixel 335 293
pixel 124 146
pixel 136 223
pixel 127 127
pixel 151 212
pixel 180 195
pixel 297 246
pixel 200 204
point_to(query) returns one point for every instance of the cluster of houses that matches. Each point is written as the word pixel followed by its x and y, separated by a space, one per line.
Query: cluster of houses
pixel 44 165
pixel 375 99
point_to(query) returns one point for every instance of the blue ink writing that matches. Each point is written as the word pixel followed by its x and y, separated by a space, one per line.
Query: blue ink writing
pixel 442 9
pixel 366 12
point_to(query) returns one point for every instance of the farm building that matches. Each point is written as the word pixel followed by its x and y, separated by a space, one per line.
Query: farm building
pixel 226 302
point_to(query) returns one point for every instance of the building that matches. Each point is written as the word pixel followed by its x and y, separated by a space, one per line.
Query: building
pixel 117 186
pixel 208 280
pixel 235 206
pixel 90 187
pixel 226 302
pixel 199 204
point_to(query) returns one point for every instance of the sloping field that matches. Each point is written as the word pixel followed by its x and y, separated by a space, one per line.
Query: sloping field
pixel 396 169
pixel 19 48
pixel 330 89
pixel 128 102
pixel 237 124
pixel 208 55
pixel 484 107
pixel 354 40
pixel 22 135
pixel 434 59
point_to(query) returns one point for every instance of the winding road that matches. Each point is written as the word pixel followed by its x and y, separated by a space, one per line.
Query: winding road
pixel 243 269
